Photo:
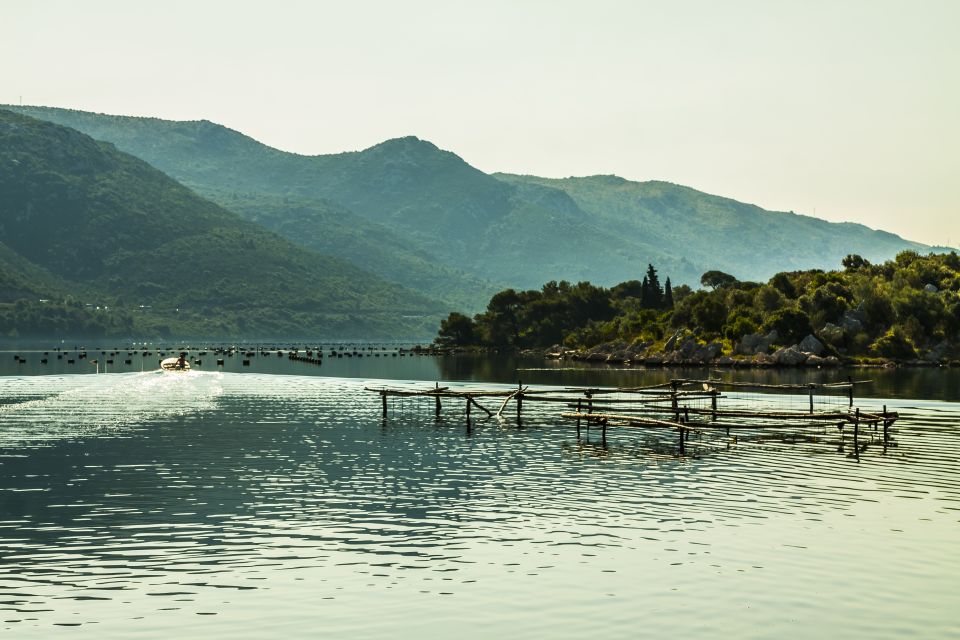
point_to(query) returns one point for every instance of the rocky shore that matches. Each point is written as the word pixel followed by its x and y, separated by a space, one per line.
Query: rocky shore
pixel 684 348
pixel 754 350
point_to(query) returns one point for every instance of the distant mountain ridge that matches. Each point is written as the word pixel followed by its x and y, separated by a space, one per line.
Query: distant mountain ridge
pixel 79 215
pixel 505 229
pixel 732 232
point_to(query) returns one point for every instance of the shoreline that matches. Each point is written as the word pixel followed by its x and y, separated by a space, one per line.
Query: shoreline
pixel 605 354
pixel 667 360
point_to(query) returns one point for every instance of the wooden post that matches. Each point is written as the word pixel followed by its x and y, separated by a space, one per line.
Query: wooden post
pixel 519 399
pixel 383 399
pixel 886 425
pixel 673 401
pixel 713 406
pixel 850 390
pixel 468 408
pixel 578 417
pixel 811 398
pixel 856 430
pixel 681 430
pixel 437 400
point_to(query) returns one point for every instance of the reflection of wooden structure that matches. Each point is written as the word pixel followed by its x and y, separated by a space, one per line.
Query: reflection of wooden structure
pixel 684 405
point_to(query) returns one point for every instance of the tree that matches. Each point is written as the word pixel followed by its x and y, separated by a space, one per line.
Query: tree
pixel 653 292
pixel 709 312
pixel 854 262
pixel 768 299
pixel 717 279
pixel 500 324
pixel 791 325
pixel 826 303
pixel 455 330
pixel 680 292
pixel 668 295
pixel 628 289
pixel 782 283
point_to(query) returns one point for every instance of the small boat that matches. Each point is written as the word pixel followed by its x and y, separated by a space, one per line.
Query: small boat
pixel 170 364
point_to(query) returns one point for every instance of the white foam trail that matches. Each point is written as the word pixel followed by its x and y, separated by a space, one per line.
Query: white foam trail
pixel 86 405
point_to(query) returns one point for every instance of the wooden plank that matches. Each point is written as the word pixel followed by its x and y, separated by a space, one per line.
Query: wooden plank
pixel 571 400
pixel 760 385
pixel 699 427
pixel 470 401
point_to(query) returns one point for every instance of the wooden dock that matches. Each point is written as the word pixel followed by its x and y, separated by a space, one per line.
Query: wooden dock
pixel 685 406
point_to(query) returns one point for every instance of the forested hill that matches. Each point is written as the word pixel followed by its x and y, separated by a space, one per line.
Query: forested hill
pixel 80 213
pixel 512 230
pixel 20 278
pixel 332 229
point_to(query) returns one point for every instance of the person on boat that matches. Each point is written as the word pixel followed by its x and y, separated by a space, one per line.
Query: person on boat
pixel 181 361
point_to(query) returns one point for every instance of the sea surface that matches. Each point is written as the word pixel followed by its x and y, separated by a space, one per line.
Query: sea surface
pixel 274 500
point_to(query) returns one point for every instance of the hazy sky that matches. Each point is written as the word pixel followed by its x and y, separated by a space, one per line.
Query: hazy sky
pixel 844 110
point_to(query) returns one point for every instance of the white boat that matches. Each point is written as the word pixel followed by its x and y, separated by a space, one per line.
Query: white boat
pixel 170 364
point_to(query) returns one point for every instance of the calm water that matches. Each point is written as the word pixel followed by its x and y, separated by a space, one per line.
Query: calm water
pixel 273 501
pixel 380 361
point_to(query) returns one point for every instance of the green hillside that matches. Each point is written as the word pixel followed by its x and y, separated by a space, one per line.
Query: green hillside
pixel 457 216
pixel 514 230
pixel 98 218
pixel 19 278
pixel 739 238
pixel 330 228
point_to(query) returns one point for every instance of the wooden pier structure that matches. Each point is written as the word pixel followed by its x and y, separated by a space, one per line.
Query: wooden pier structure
pixel 685 406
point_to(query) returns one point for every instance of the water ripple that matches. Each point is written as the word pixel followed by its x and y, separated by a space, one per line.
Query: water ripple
pixel 150 497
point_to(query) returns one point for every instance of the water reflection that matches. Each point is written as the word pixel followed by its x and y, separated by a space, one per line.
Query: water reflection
pixel 940 383
pixel 385 362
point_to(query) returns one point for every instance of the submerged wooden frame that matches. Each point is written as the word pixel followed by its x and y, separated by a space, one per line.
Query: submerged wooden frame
pixel 647 406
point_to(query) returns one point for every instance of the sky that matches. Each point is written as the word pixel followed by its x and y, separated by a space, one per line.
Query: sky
pixel 846 110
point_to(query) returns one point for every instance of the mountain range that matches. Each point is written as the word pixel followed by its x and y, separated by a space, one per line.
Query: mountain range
pixel 444 234
pixel 79 216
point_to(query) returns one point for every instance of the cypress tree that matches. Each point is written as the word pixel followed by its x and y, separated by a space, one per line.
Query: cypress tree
pixel 645 294
pixel 654 290
pixel 668 295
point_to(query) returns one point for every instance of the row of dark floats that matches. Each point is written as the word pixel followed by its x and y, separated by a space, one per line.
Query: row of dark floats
pixel 690 408
pixel 308 355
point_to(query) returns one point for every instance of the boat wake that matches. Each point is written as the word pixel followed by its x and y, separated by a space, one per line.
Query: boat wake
pixel 45 409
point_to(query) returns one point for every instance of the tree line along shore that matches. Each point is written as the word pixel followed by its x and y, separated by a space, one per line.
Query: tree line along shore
pixel 903 311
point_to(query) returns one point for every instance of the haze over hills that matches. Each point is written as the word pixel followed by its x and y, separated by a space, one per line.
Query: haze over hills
pixel 79 215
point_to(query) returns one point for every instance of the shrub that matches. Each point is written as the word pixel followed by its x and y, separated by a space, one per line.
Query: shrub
pixel 741 326
pixel 894 344
pixel 791 325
